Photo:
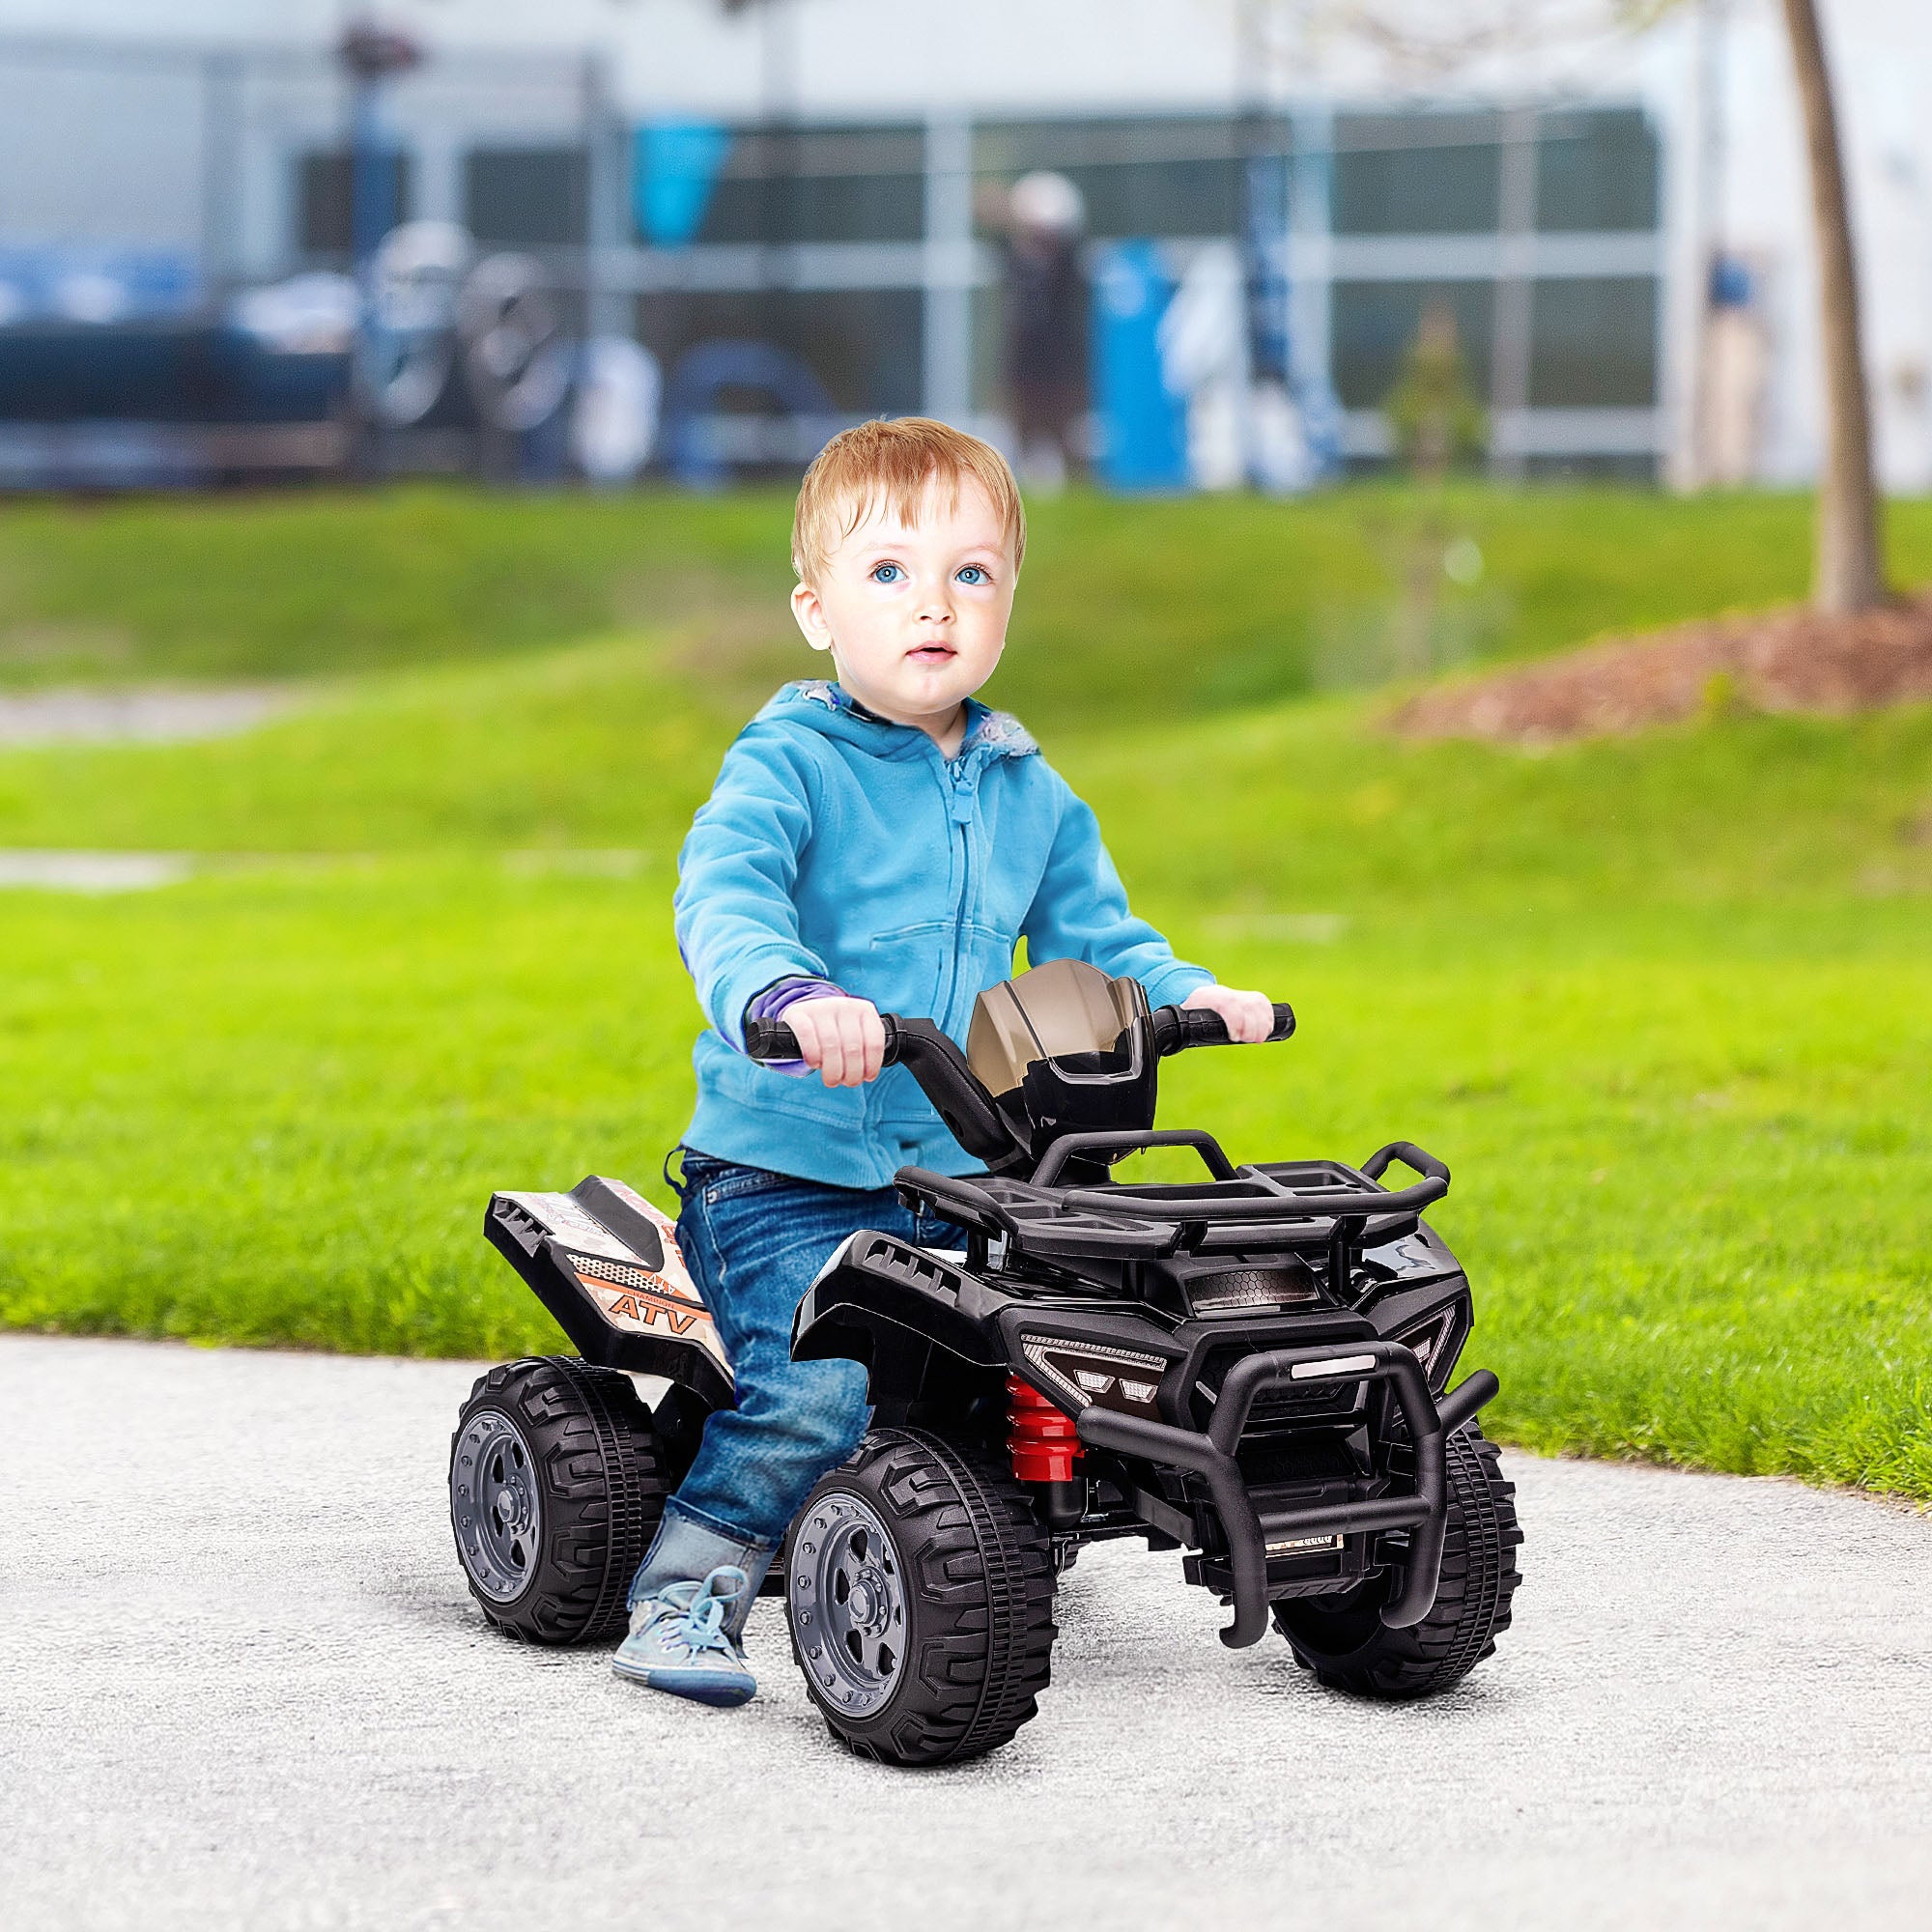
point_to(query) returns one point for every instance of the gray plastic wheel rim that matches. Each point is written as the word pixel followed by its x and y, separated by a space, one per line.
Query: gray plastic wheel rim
pixel 847 1597
pixel 495 1505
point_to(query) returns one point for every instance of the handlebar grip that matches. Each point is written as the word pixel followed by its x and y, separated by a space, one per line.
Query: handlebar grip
pixel 1179 1028
pixel 772 1039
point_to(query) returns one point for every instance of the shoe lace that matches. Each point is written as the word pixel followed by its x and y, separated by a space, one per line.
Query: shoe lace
pixel 696 1612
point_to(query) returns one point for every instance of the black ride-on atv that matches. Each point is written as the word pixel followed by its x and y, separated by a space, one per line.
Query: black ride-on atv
pixel 1250 1367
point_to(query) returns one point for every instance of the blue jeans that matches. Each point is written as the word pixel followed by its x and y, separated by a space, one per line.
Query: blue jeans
pixel 752 1241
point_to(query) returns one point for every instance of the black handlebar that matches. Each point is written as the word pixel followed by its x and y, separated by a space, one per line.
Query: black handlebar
pixel 976 1123
pixel 968 1110
pixel 939 1068
pixel 1176 1029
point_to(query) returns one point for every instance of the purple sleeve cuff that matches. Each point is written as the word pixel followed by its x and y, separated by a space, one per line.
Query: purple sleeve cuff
pixel 771 1005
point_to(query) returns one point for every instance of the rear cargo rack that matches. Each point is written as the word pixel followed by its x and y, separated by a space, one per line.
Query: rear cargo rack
pixel 1310 1206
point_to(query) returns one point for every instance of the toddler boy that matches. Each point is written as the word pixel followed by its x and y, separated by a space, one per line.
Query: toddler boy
pixel 879 842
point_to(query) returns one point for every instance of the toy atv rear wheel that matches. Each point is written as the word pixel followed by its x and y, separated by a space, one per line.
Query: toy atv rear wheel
pixel 1346 1646
pixel 556 1482
pixel 919 1587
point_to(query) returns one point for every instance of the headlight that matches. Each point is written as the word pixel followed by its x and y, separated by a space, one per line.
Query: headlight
pixel 1429 1338
pixel 1089 1373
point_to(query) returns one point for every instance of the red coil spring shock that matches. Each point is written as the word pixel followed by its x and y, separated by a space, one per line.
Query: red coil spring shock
pixel 1041 1436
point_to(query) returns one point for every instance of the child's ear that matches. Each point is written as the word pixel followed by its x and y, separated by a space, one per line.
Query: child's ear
pixel 810 615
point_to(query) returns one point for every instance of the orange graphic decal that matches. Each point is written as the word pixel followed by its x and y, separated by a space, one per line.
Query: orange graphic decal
pixel 646 1307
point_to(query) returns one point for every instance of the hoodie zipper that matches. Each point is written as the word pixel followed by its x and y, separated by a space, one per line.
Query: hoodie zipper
pixel 960 801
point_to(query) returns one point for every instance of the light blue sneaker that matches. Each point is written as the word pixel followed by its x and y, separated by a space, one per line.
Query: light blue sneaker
pixel 680 1642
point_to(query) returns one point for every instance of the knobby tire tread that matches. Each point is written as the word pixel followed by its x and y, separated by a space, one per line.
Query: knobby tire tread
pixel 603 1482
pixel 1479 1579
pixel 968 1536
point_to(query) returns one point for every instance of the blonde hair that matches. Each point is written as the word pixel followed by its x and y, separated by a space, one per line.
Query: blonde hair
pixel 893 463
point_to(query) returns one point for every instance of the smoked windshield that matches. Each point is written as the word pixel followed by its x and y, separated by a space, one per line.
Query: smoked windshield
pixel 1059 1011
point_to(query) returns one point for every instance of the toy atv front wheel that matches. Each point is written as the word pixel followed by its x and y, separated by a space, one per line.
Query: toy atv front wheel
pixel 1346 1643
pixel 919 1587
pixel 556 1482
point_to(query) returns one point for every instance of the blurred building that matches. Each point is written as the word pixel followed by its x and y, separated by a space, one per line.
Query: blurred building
pixel 795 203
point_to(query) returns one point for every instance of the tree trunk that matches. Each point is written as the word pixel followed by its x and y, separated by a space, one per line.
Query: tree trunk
pixel 1850 569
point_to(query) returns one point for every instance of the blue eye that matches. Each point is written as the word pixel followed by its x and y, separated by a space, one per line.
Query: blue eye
pixel 887 572
pixel 972 573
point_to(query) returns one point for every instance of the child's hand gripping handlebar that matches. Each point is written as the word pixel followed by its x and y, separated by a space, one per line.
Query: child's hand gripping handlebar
pixel 772 1039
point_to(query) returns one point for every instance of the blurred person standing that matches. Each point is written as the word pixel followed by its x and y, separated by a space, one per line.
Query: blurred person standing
pixel 1047 328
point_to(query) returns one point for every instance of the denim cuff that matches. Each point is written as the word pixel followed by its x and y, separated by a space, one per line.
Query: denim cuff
pixel 687 1549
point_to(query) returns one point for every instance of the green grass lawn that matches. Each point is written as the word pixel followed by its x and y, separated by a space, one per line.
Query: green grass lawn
pixel 1129 609
pixel 1664 1006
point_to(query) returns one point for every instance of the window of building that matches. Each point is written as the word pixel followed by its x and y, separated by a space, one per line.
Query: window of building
pixel 323 205
pixel 1417 174
pixel 1592 343
pixel 1372 324
pixel 1178 176
pixel 1596 171
pixel 820 185
pixel 864 345
pixel 524 197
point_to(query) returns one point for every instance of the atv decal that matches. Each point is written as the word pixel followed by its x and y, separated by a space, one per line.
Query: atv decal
pixel 633 1296
pixel 640 1298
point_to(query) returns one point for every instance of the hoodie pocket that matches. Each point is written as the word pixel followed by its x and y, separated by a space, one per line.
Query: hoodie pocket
pixel 910 968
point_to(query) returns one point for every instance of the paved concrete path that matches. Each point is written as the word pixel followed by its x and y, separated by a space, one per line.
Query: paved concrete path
pixel 137 714
pixel 243 1686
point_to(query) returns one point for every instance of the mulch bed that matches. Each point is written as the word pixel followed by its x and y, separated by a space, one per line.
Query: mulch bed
pixel 1794 660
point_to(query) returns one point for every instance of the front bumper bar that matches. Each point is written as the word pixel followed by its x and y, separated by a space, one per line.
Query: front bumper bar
pixel 1210 1454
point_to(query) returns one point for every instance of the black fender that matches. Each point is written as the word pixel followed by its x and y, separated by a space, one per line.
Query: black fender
pixel 892 1306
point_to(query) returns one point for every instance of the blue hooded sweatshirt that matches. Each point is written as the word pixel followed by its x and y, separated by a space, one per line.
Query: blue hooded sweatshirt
pixel 837 846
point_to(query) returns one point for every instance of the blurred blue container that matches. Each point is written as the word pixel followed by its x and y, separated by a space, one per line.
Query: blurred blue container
pixel 675 167
pixel 1142 428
